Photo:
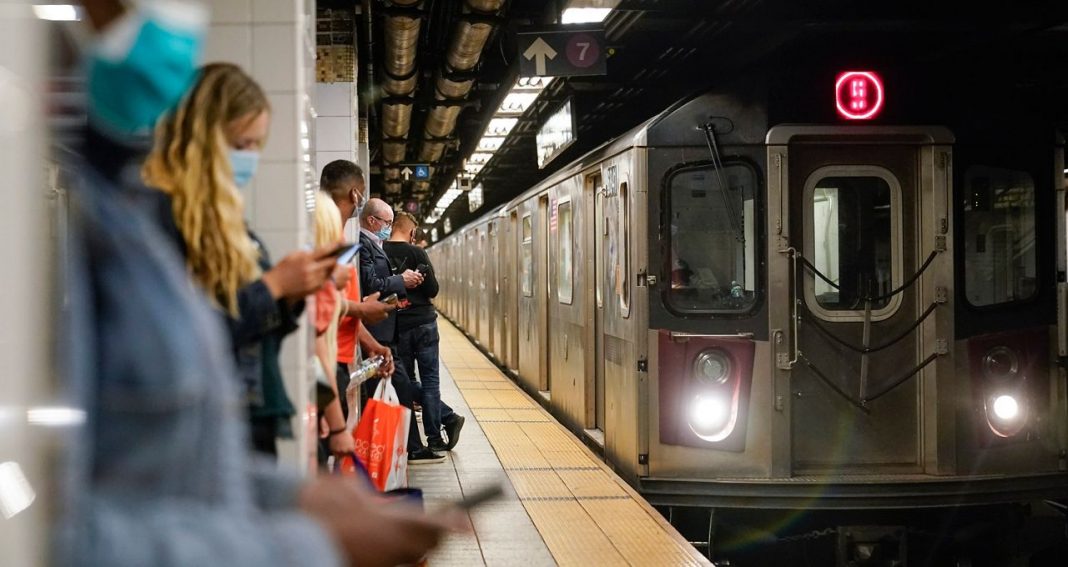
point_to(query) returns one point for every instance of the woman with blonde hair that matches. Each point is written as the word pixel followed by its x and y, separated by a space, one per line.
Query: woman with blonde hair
pixel 205 153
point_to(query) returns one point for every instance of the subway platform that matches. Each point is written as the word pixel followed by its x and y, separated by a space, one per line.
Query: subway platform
pixel 562 505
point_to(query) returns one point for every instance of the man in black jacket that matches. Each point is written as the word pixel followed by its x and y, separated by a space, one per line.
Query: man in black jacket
pixel 417 334
pixel 376 275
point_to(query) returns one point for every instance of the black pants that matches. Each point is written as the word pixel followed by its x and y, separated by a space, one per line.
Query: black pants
pixel 264 432
pixel 342 387
pixel 405 393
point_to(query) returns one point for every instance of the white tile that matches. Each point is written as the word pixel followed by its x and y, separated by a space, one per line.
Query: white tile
pixel 276 11
pixel 231 43
pixel 284 138
pixel 231 11
pixel 323 158
pixel 274 57
pixel 334 99
pixel 279 242
pixel 334 134
pixel 279 195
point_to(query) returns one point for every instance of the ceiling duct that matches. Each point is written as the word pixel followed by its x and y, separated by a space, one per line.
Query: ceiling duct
pixel 468 39
pixel 401 39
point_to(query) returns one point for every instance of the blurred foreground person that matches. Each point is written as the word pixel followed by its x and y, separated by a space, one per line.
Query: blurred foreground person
pixel 158 474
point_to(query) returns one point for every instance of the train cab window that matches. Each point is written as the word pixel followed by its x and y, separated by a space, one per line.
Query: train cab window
pixel 999 236
pixel 713 239
pixel 565 265
pixel 618 249
pixel 527 258
pixel 851 237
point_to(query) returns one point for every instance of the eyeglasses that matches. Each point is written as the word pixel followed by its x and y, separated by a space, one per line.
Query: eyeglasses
pixel 383 221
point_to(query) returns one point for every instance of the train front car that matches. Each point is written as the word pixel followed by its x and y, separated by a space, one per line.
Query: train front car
pixel 853 309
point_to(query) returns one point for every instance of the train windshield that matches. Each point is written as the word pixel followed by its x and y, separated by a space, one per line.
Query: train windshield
pixel 713 239
pixel 999 236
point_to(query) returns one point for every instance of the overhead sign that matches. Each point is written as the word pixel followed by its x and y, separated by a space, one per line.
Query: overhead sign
pixel 858 95
pixel 417 171
pixel 556 134
pixel 561 51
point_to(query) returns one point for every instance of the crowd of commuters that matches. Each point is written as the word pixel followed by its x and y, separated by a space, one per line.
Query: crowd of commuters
pixel 174 317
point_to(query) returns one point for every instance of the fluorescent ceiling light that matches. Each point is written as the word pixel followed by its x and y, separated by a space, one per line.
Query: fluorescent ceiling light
pixel 473 168
pixel 479 157
pixel 493 143
pixel 501 126
pixel 517 102
pixel 56 12
pixel 57 416
pixel 584 15
pixel 532 83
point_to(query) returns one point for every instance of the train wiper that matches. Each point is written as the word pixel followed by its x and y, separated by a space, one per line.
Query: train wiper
pixel 717 163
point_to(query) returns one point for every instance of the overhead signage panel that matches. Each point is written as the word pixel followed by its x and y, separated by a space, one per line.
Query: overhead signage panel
pixel 556 134
pixel 561 51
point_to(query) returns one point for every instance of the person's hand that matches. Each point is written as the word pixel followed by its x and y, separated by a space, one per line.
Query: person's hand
pixel 386 370
pixel 372 530
pixel 371 310
pixel 341 444
pixel 412 278
pixel 341 276
pixel 299 274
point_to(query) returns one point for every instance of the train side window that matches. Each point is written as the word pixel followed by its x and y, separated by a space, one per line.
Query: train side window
pixel 565 264
pixel 527 258
pixel 1000 264
pixel 855 218
pixel 713 239
pixel 620 280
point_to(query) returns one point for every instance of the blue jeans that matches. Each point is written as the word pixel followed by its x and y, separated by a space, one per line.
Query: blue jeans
pixel 418 346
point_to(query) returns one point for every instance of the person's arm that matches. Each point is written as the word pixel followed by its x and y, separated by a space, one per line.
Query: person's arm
pixel 260 314
pixel 429 286
pixel 372 347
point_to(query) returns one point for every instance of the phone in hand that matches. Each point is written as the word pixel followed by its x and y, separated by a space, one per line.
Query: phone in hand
pixel 479 497
pixel 390 299
pixel 344 252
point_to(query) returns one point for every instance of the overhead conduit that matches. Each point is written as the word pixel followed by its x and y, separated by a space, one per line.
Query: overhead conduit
pixel 402 39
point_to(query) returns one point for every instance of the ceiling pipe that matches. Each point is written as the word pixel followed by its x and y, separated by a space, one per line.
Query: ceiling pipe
pixel 401 41
pixel 468 39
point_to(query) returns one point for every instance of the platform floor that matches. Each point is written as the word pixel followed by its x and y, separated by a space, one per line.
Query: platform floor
pixel 563 506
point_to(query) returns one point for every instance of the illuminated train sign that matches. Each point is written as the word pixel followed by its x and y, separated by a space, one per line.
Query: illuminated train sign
pixel 858 95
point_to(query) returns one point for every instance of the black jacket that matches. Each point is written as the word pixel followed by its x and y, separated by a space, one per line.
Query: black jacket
pixel 420 309
pixel 376 274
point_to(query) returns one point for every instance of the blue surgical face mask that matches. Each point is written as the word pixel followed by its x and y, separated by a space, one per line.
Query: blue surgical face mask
pixel 143 64
pixel 383 233
pixel 243 163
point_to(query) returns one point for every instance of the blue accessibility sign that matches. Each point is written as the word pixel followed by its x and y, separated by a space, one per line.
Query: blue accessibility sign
pixel 422 172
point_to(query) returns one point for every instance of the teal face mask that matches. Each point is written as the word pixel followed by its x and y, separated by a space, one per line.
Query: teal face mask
pixel 142 66
pixel 383 233
pixel 243 163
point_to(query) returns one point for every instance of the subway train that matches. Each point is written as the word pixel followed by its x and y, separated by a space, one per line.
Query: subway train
pixel 810 289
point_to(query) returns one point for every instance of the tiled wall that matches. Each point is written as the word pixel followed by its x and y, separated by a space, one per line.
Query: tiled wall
pixel 275 41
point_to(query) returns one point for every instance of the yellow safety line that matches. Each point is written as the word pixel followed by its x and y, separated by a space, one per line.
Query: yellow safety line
pixel 585 513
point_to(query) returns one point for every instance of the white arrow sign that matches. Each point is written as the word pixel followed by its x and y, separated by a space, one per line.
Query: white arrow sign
pixel 407 173
pixel 542 51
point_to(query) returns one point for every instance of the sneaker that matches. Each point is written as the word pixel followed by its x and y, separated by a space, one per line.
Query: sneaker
pixel 452 431
pixel 437 445
pixel 424 456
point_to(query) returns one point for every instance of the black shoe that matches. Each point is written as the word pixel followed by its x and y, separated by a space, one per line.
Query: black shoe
pixel 424 456
pixel 437 446
pixel 452 431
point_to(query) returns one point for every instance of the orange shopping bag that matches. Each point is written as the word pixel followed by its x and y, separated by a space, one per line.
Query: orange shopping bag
pixel 382 438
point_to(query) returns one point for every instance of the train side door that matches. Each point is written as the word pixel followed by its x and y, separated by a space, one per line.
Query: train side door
pixel 595 191
pixel 857 207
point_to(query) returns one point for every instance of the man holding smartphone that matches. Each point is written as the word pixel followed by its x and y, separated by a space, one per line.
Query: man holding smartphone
pixel 417 334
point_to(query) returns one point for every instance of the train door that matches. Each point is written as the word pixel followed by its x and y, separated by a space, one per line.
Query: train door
pixel 855 224
pixel 510 276
pixel 595 192
pixel 482 279
pixel 493 298
pixel 544 291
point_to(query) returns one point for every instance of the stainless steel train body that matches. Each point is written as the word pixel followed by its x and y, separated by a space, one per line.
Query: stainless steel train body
pixel 748 301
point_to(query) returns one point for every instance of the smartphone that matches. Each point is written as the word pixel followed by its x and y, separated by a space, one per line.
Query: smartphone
pixel 341 249
pixel 390 299
pixel 480 496
pixel 347 255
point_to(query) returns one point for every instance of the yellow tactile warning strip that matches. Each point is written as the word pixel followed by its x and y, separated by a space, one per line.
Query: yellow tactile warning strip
pixel 584 512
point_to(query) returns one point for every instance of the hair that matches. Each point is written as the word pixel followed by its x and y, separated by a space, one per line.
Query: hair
pixel 403 221
pixel 336 174
pixel 189 161
pixel 328 228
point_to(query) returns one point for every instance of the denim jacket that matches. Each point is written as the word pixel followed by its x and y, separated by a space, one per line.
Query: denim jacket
pixel 160 473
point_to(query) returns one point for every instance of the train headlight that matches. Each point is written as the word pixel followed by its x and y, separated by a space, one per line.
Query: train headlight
pixel 709 414
pixel 1000 363
pixel 712 367
pixel 1006 408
